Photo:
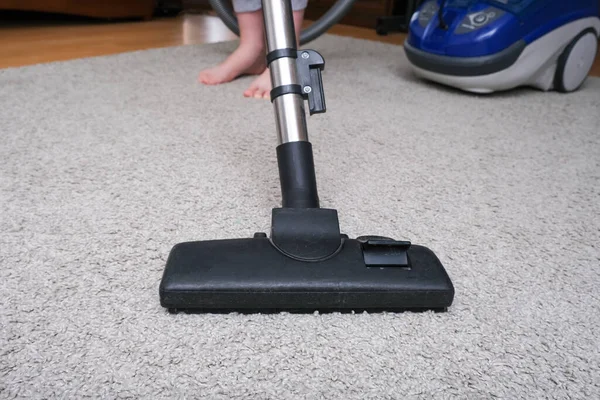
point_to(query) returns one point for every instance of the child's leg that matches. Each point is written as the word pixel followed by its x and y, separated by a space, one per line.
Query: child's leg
pixel 249 57
pixel 261 87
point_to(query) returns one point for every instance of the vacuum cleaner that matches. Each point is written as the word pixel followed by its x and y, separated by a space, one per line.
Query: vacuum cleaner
pixel 485 46
pixel 305 263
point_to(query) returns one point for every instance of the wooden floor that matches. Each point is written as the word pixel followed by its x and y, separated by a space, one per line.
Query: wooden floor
pixel 31 39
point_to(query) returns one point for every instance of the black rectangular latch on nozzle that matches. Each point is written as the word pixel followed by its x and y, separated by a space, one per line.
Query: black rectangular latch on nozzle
pixel 384 252
pixel 310 64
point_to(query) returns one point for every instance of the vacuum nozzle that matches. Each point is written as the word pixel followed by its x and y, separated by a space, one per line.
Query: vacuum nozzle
pixel 305 266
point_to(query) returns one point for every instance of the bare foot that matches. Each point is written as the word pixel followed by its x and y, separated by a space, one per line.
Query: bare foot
pixel 260 88
pixel 245 60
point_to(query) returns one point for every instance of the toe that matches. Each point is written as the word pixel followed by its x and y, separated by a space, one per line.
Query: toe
pixel 249 92
pixel 205 78
pixel 254 90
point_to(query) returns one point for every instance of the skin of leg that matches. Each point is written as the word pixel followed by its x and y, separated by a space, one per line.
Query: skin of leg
pixel 261 87
pixel 247 59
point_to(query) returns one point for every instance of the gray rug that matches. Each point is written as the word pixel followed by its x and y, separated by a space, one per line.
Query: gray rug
pixel 107 162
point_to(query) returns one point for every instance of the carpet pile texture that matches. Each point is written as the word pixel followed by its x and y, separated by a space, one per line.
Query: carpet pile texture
pixel 106 163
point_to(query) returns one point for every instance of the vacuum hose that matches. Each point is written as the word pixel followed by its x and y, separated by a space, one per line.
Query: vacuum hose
pixel 330 18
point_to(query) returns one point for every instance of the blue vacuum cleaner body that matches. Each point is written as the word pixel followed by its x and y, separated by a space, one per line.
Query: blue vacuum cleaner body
pixel 484 46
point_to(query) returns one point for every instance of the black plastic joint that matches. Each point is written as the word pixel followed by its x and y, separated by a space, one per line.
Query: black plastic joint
pixel 285 89
pixel 297 175
pixel 281 53
pixel 306 234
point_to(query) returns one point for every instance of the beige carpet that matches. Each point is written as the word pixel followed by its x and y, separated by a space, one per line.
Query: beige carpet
pixel 105 163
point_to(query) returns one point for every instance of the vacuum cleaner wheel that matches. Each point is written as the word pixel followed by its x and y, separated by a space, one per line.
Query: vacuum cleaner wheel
pixel 576 61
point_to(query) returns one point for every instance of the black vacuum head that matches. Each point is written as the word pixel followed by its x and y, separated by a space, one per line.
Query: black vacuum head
pixel 305 266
